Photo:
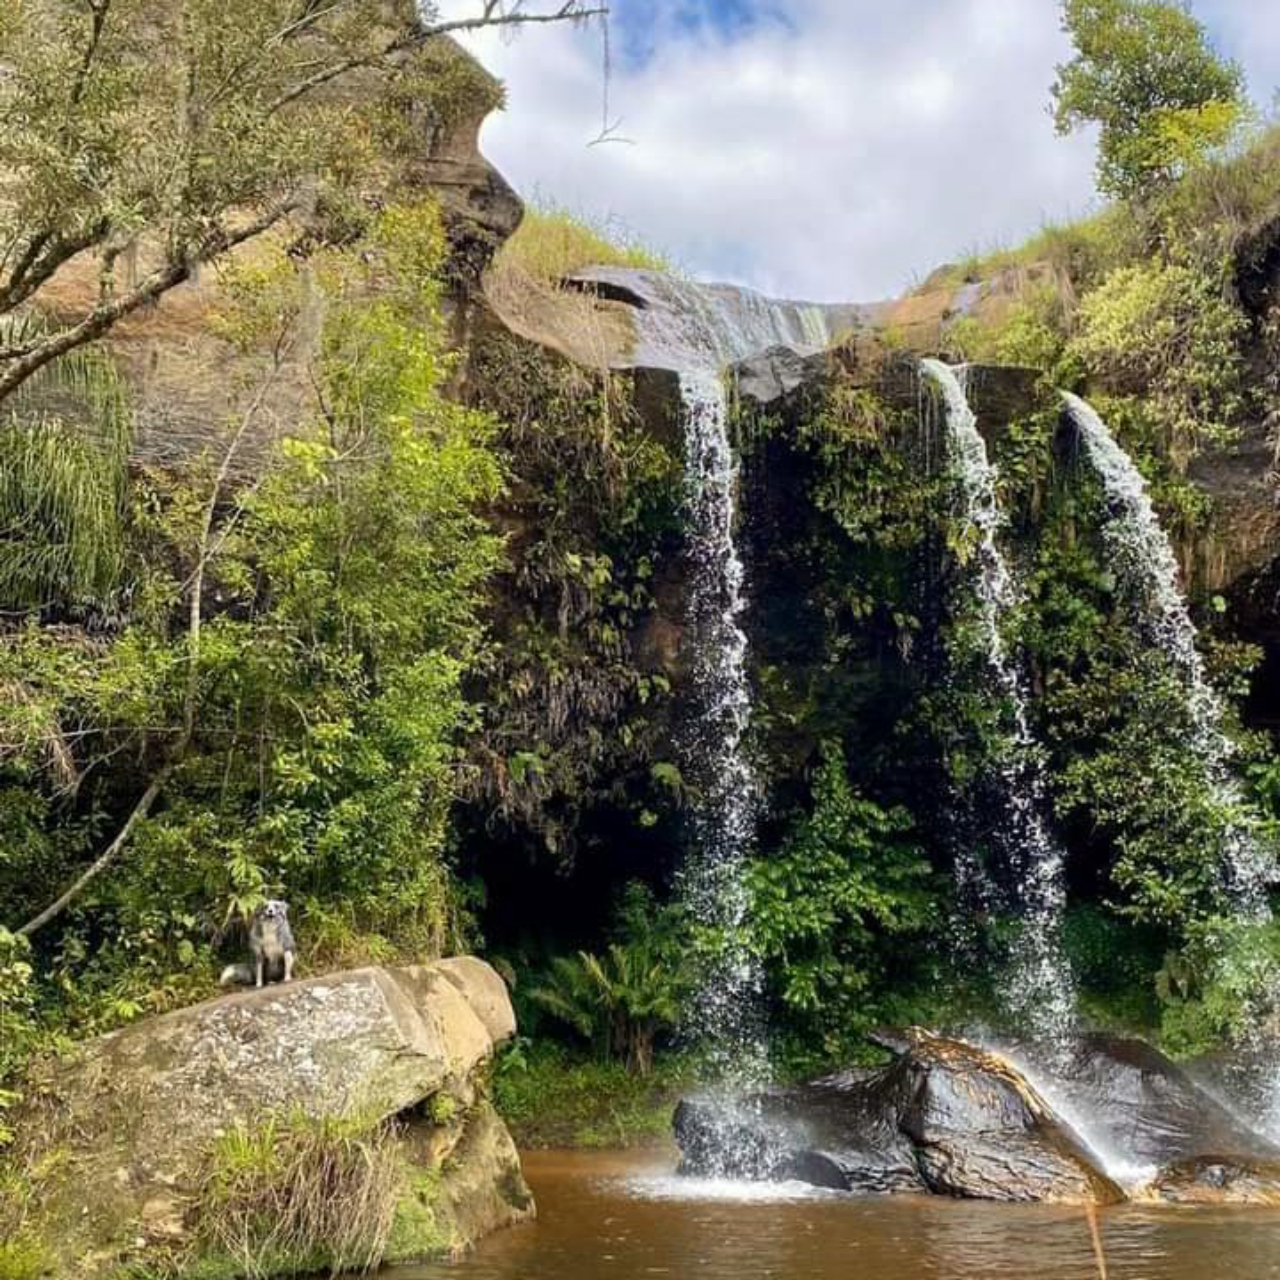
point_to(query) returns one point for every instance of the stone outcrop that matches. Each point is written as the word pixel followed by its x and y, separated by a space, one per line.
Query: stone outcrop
pixel 126 1126
pixel 944 1117
pixel 1141 1104
pixel 949 1118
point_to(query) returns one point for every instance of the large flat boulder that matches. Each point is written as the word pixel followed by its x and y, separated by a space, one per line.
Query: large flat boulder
pixel 126 1126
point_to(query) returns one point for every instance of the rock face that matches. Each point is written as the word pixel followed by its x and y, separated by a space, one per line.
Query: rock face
pixel 1148 1108
pixel 950 1118
pixel 943 1116
pixel 128 1123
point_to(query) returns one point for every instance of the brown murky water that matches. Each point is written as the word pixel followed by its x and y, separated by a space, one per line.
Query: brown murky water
pixel 608 1216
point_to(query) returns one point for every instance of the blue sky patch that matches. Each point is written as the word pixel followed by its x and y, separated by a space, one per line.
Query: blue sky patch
pixel 639 26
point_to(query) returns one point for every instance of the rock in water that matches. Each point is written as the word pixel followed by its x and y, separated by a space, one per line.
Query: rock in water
pixel 126 1125
pixel 1217 1180
pixel 1149 1108
pixel 944 1116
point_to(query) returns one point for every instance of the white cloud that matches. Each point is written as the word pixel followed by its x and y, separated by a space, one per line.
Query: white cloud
pixel 837 157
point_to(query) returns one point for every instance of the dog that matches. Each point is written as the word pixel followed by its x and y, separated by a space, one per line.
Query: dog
pixel 271 948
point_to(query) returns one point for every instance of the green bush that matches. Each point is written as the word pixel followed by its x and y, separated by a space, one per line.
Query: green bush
pixel 1169 334
pixel 847 891
pixel 624 999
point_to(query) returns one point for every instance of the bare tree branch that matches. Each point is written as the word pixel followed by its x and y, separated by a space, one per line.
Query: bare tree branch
pixel 44 256
pixel 491 16
pixel 112 309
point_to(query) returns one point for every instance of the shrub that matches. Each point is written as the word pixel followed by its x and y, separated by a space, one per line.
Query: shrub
pixel 1170 333
pixel 622 1000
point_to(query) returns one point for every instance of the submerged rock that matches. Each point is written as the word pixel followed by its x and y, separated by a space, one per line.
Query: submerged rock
pixel 944 1117
pixel 125 1129
pixel 1217 1180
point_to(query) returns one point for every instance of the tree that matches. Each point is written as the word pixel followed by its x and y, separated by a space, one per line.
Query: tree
pixel 169 132
pixel 285 689
pixel 1145 73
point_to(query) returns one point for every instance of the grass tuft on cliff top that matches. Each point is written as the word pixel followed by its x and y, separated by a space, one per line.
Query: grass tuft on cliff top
pixel 552 242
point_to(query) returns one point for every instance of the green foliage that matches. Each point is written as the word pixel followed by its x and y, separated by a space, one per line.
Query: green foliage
pixel 1144 72
pixel 17 1019
pixel 1169 333
pixel 624 998
pixel 848 890
pixel 1220 987
pixel 1141 787
pixel 550 1096
pixel 571 710
pixel 64 441
pixel 297 1195
pixel 311 725
pixel 24 1260
pixel 1114 961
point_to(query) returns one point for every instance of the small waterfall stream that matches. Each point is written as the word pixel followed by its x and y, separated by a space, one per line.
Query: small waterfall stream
pixel 696 331
pixel 722 810
pixel 1147 570
pixel 1040 990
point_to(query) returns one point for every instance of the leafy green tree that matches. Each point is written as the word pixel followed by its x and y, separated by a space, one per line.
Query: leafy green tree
pixel 282 703
pixel 158 135
pixel 1145 73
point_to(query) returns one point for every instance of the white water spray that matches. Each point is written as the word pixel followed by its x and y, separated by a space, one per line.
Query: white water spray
pixel 1040 988
pixel 722 812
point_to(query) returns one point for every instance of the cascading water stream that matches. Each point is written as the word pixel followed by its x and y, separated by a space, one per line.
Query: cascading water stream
pixel 725 1007
pixel 1040 990
pixel 1146 568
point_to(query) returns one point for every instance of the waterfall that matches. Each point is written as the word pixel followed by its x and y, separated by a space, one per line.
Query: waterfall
pixel 1040 987
pixel 722 812
pixel 1147 570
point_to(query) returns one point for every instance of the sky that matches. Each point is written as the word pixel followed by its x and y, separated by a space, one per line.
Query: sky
pixel 829 150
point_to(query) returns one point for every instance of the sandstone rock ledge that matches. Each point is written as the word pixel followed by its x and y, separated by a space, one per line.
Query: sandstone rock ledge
pixel 120 1135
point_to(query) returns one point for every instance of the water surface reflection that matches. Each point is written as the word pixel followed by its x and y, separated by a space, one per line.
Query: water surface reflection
pixel 606 1216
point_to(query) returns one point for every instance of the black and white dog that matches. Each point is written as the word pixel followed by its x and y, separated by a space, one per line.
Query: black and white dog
pixel 270 948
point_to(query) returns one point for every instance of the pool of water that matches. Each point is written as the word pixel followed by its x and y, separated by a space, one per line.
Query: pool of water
pixel 611 1216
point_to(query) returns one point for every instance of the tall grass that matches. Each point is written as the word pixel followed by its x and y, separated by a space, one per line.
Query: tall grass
pixel 301 1195
pixel 552 242
pixel 64 442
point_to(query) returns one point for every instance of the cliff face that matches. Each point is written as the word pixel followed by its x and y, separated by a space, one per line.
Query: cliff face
pixel 187 382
